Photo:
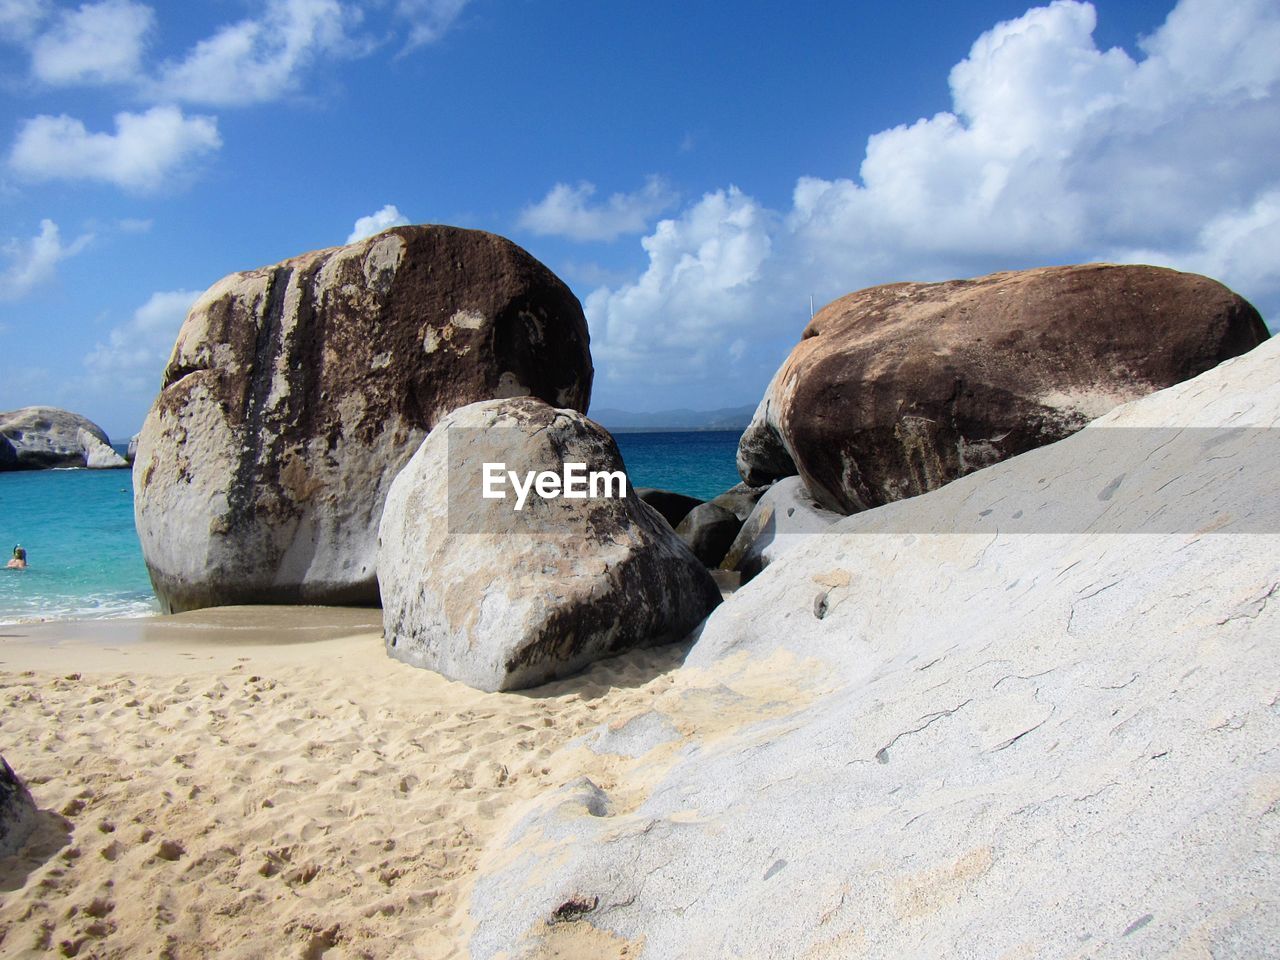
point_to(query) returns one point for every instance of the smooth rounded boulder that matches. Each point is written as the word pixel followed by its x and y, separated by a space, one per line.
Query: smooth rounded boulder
pixel 42 438
pixel 507 591
pixel 896 390
pixel 295 394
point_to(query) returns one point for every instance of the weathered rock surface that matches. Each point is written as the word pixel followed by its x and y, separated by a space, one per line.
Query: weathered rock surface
pixel 896 390
pixel 40 438
pixel 673 506
pixel 17 811
pixel 132 453
pixel 501 599
pixel 295 394
pixel 708 530
pixel 740 499
pixel 785 517
pixel 962 742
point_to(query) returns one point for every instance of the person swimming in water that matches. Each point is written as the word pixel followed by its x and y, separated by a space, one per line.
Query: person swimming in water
pixel 19 560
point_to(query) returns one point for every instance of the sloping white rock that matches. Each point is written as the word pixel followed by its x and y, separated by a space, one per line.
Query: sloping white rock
pixel 503 599
pixel 981 744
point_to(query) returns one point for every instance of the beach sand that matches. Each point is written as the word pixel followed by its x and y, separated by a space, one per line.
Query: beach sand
pixel 254 782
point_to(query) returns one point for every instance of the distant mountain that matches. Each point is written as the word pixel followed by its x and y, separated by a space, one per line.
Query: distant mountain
pixel 726 418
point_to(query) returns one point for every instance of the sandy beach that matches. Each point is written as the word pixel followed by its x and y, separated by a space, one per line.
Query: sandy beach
pixel 249 782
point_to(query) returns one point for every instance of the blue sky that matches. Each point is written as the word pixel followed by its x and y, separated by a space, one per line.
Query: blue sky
pixel 695 172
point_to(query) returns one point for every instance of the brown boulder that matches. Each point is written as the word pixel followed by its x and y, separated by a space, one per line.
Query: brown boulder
pixel 895 390
pixel 297 392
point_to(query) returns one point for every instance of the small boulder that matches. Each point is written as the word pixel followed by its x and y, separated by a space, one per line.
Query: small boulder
pixel 785 517
pixel 741 499
pixel 896 390
pixel 503 598
pixel 17 811
pixel 673 506
pixel 296 393
pixel 132 453
pixel 41 438
pixel 99 455
pixel 709 530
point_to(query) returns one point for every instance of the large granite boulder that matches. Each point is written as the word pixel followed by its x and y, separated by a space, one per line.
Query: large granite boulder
pixel 296 393
pixel 40 438
pixel 17 811
pixel 501 598
pixel 785 517
pixel 896 390
pixel 922 736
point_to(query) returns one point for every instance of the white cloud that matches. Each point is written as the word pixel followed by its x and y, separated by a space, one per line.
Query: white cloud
pixel 34 262
pixel 144 153
pixel 260 59
pixel 19 19
pixel 567 211
pixel 429 20
pixel 1054 152
pixel 96 43
pixel 133 357
pixel 384 219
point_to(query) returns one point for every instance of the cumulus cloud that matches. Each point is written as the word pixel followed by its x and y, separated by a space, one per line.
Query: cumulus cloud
pixel 567 211
pixel 1054 151
pixel 146 151
pixel 260 59
pixel 384 219
pixel 34 262
pixel 96 43
pixel 428 20
pixel 19 19
pixel 133 356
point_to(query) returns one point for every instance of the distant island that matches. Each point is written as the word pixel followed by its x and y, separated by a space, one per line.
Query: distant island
pixel 726 418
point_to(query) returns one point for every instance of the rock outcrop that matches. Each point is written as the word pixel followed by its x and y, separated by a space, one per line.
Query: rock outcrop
pixel 501 598
pixel 41 438
pixel 708 530
pixel 922 736
pixel 896 390
pixel 785 517
pixel 295 394
pixel 17 811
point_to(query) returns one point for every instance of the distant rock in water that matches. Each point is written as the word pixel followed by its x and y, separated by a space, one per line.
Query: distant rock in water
pixel 503 599
pixel 896 390
pixel 132 453
pixel 41 438
pixel 17 811
pixel 297 392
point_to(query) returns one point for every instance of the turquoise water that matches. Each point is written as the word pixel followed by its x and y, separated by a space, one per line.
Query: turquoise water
pixel 83 554
pixel 77 526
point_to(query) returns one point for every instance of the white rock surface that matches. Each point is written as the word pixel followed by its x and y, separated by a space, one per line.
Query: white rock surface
pixel 501 599
pixel 967 744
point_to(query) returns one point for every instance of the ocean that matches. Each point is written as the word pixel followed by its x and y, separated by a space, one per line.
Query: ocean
pixel 85 561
